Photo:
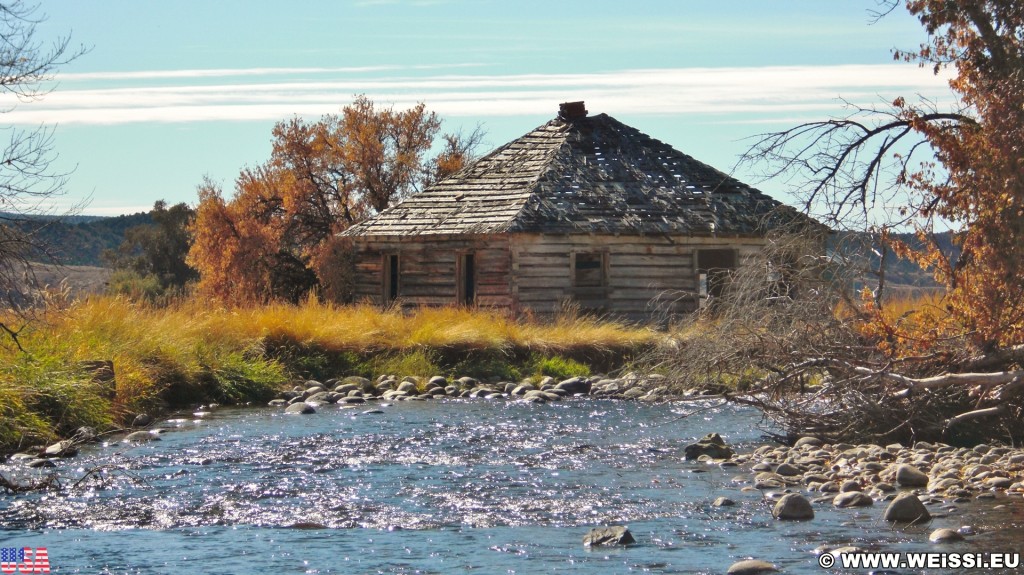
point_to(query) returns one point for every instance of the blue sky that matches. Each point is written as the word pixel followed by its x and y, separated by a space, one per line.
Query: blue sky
pixel 172 91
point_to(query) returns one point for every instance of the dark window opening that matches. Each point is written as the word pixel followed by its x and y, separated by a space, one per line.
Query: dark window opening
pixel 713 269
pixel 390 278
pixel 467 279
pixel 589 270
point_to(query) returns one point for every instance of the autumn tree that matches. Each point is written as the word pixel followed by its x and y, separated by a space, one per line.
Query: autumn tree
pixel 275 238
pixel 909 164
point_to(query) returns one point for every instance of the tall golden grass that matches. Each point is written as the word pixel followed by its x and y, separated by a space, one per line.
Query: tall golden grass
pixel 194 350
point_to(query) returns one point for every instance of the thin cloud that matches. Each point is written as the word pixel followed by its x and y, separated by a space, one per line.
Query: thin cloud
pixel 241 72
pixel 764 91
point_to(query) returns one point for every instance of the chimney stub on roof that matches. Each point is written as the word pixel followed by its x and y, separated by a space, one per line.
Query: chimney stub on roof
pixel 572 110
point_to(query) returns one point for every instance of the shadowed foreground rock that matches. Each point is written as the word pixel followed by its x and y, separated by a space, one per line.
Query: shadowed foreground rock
pixel 615 535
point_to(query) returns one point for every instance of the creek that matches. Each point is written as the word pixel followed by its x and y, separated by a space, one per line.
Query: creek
pixel 466 486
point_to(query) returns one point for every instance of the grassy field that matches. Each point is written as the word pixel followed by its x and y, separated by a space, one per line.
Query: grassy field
pixel 196 352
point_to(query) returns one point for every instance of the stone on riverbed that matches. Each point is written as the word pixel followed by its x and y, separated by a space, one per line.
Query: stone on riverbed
pixel 945 536
pixel 909 476
pixel 140 436
pixel 853 499
pixel 751 567
pixel 300 408
pixel 712 445
pixel 907 508
pixel 616 535
pixel 793 506
pixel 65 448
pixel 574 385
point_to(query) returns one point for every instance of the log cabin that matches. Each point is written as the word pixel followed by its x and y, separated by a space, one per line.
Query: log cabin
pixel 583 210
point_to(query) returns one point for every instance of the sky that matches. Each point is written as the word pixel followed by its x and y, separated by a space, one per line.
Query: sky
pixel 172 92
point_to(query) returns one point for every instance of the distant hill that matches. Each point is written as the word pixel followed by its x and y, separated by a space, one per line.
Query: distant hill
pixel 899 273
pixel 80 240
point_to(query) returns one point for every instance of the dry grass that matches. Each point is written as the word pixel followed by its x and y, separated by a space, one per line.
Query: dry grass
pixel 192 351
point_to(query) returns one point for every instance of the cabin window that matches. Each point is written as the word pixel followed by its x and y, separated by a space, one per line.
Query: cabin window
pixel 713 268
pixel 466 272
pixel 589 269
pixel 391 277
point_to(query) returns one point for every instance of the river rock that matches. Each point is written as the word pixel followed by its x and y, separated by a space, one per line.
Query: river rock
pixel 408 388
pixel 84 433
pixel 140 437
pixel 322 397
pixel 615 535
pixel 808 441
pixel 751 567
pixel 142 420
pixel 40 463
pixel 853 499
pixel 907 508
pixel 65 448
pixel 909 476
pixel 793 506
pixel 998 482
pixel 300 408
pixel 788 470
pixel 945 536
pixel 711 444
pixel 574 385
pixel 850 485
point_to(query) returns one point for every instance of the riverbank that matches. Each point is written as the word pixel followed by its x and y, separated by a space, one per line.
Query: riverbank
pixel 100 362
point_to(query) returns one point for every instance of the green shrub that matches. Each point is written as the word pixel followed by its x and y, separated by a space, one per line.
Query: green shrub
pixel 484 364
pixel 421 363
pixel 242 379
pixel 135 286
pixel 559 367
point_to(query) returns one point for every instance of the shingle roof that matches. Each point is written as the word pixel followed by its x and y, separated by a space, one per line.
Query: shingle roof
pixel 578 175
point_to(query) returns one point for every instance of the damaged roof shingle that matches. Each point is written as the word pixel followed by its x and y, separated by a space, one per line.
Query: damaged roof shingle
pixel 589 174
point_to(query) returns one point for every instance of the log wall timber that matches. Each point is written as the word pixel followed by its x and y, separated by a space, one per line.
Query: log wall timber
pixel 644 276
pixel 634 277
pixel 428 270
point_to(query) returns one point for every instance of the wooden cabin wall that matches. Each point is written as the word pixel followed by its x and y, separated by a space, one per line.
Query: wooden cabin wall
pixel 428 269
pixel 646 276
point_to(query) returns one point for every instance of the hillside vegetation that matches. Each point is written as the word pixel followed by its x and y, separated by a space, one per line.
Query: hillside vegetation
pixel 79 240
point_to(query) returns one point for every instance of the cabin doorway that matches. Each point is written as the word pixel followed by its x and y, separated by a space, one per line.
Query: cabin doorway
pixel 466 273
pixel 391 277
pixel 713 268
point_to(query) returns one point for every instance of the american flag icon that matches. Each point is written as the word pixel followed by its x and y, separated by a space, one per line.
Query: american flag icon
pixel 24 560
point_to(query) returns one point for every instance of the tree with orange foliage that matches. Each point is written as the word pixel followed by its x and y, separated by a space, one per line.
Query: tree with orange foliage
pixel 275 238
pixel 960 167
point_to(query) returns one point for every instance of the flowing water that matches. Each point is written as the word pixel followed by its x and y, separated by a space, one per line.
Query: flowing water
pixel 441 487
